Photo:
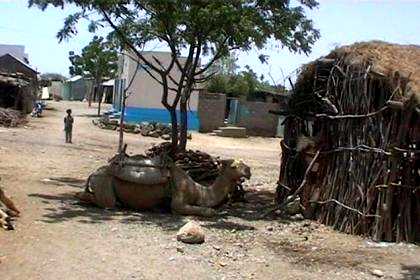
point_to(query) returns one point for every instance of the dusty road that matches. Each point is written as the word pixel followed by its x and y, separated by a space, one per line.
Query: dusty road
pixel 56 238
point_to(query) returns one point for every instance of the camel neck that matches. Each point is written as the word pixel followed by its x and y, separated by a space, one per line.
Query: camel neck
pixel 217 192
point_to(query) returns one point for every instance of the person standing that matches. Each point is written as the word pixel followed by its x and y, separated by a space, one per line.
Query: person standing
pixel 68 125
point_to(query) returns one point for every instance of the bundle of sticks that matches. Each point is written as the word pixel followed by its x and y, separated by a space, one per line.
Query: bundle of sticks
pixel 365 179
pixel 11 118
pixel 199 166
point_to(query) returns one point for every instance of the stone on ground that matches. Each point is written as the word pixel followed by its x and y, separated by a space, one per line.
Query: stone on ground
pixel 166 137
pixel 191 233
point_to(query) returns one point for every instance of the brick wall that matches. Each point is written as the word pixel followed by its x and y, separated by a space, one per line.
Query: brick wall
pixel 211 110
pixel 254 116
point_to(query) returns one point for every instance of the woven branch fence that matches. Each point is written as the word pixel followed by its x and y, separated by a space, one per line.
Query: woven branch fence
pixel 364 126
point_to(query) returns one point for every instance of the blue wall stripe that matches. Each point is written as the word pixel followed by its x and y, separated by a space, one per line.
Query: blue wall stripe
pixel 138 115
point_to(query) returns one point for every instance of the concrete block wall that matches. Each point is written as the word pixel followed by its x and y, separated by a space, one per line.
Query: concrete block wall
pixel 255 117
pixel 211 111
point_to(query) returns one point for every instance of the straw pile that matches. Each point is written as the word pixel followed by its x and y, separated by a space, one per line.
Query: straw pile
pixel 11 118
pixel 352 137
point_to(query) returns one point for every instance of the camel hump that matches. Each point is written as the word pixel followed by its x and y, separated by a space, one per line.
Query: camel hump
pixel 101 183
pixel 140 170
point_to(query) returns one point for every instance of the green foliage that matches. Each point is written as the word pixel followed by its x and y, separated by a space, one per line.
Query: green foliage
pixel 218 83
pixel 226 65
pixel 218 25
pixel 97 61
pixel 244 83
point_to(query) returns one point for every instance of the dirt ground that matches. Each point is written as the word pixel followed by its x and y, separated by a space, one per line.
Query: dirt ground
pixel 57 238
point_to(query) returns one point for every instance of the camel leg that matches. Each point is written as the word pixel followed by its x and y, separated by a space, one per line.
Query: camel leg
pixel 185 209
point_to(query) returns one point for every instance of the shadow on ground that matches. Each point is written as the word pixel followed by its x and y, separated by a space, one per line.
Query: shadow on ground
pixel 410 272
pixel 65 207
pixel 257 203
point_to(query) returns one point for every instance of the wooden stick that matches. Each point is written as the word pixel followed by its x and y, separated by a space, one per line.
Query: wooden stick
pixel 345 206
pixel 297 191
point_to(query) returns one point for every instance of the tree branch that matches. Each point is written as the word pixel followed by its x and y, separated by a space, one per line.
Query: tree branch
pixel 345 206
pixel 127 41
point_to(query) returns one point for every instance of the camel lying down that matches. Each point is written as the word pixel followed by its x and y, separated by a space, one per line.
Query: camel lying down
pixel 136 187
pixel 6 215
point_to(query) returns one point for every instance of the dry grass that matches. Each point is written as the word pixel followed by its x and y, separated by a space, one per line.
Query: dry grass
pixel 386 58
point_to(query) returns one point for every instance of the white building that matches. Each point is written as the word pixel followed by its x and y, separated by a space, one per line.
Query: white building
pixel 144 103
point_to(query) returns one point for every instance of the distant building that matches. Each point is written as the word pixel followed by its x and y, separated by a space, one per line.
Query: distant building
pixel 76 88
pixel 17 51
pixel 54 89
pixel 25 92
pixel 144 103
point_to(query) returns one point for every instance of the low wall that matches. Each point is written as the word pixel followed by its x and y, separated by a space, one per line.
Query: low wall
pixel 211 111
pixel 138 115
pixel 255 117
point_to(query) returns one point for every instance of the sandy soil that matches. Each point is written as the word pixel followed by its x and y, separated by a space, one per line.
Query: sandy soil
pixel 57 238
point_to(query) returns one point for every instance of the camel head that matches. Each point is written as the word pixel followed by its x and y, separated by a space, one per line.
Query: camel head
pixel 235 169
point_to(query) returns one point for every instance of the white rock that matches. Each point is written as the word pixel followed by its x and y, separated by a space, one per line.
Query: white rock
pixel 191 233
pixel 377 272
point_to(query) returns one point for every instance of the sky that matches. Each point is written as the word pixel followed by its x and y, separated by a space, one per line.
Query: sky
pixel 340 22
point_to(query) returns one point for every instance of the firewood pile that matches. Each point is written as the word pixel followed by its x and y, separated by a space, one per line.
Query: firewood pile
pixel 351 147
pixel 199 166
pixel 11 118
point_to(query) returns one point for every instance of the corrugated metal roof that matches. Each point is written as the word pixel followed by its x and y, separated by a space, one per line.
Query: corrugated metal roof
pixel 75 78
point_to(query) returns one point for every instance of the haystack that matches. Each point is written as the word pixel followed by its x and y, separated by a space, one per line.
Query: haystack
pixel 354 120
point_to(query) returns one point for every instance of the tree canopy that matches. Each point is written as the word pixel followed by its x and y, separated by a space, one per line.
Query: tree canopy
pixel 193 28
pixel 98 61
pixel 234 83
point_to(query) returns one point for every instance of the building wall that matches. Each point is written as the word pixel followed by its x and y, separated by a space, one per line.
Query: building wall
pixel 55 88
pixel 211 111
pixel 9 64
pixel 15 50
pixel 255 117
pixel 76 90
pixel 144 102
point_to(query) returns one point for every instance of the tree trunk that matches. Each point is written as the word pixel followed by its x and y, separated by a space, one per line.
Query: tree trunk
pixel 184 125
pixel 174 131
pixel 100 94
pixel 91 93
pixel 121 134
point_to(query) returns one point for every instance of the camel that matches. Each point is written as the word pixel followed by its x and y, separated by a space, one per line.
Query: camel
pixel 105 188
pixel 7 215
